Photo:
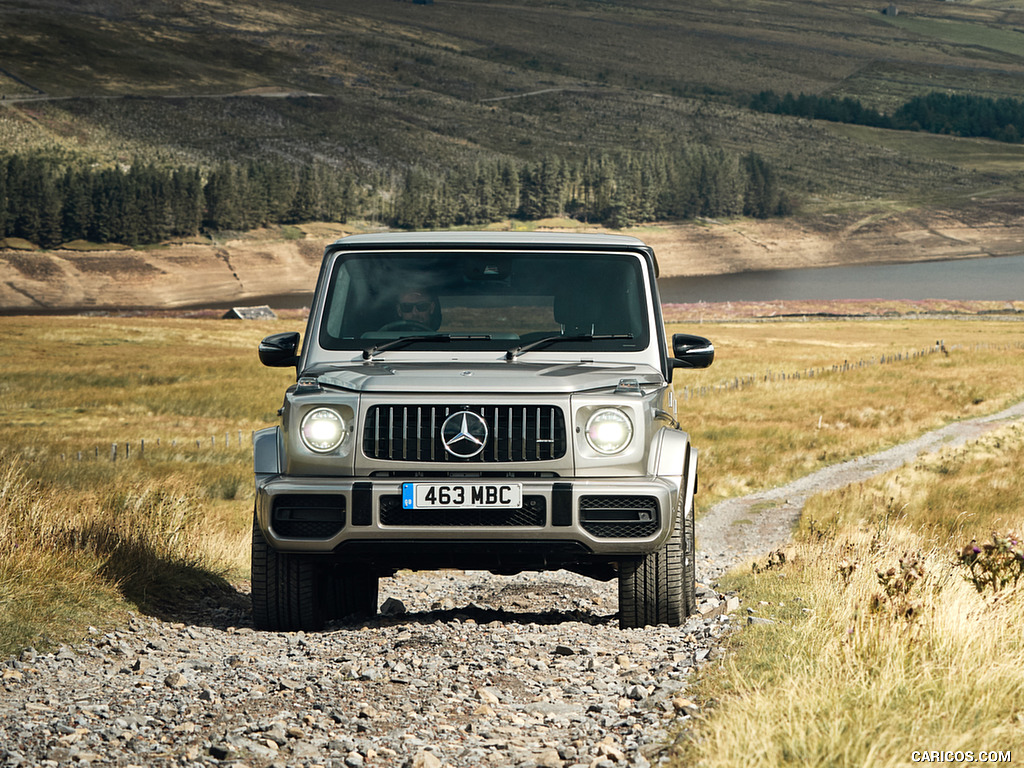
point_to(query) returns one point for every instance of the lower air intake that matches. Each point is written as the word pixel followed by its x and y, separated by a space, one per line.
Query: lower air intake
pixel 301 516
pixel 619 517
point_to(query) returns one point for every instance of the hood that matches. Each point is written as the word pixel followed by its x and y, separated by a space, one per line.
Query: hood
pixel 517 377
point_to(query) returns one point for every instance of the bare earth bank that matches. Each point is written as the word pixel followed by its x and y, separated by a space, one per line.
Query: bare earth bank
pixel 252 268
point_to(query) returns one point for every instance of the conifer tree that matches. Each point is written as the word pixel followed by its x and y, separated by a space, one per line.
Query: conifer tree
pixel 511 190
pixel 25 191
pixel 221 194
pixel 306 204
pixel 3 199
pixel 78 208
pixel 50 230
pixel 190 201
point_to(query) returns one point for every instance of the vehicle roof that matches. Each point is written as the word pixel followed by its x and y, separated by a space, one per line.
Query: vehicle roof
pixel 483 238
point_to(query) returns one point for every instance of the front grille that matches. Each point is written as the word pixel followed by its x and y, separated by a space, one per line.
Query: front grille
pixel 619 517
pixel 307 516
pixel 514 433
pixel 533 513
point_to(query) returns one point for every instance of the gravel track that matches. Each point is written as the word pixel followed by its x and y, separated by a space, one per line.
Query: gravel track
pixel 460 669
pixel 766 518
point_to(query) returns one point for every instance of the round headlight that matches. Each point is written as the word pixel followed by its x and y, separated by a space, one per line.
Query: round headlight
pixel 609 430
pixel 322 430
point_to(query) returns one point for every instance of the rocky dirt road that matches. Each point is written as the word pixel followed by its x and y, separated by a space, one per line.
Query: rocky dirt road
pixel 461 669
pixel 469 669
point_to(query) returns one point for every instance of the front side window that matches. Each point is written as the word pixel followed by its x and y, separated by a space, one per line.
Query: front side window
pixel 497 299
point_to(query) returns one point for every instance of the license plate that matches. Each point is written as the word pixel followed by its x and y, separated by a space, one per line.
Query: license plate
pixel 473 495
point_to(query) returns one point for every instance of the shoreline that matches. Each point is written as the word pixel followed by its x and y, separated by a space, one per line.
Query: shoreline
pixel 840 309
pixel 674 313
pixel 263 267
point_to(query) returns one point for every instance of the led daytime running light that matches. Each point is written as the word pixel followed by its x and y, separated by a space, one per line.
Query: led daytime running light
pixel 322 430
pixel 609 431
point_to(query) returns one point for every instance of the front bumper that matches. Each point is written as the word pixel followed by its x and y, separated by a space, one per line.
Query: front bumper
pixel 584 519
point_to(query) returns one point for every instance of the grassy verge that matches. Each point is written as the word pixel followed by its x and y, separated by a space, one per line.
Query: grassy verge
pixel 897 624
pixel 85 537
pixel 69 558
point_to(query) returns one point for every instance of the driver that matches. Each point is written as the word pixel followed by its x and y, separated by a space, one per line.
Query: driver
pixel 416 307
pixel 417 310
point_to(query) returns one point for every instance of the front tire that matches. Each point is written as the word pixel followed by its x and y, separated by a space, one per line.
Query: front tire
pixel 689 562
pixel 660 588
pixel 284 594
pixel 293 592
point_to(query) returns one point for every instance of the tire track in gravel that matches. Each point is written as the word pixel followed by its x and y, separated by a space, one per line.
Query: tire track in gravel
pixel 739 529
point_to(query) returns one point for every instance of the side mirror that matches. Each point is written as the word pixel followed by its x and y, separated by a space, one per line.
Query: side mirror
pixel 691 351
pixel 280 350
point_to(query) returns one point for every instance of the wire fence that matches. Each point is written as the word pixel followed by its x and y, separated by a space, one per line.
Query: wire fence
pixel 768 377
pixel 127 450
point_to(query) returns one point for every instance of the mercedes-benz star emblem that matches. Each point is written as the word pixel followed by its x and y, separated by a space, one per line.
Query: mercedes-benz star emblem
pixel 464 434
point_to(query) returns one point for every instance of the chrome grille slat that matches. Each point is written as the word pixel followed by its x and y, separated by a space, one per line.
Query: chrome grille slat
pixel 524 431
pixel 537 426
pixel 404 432
pixel 391 433
pixel 413 433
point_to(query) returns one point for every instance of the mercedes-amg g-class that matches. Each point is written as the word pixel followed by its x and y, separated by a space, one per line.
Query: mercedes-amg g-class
pixel 477 400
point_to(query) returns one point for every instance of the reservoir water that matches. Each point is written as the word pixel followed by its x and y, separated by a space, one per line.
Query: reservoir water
pixel 997 278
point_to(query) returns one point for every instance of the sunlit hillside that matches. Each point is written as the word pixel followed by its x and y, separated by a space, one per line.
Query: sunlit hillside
pixel 382 86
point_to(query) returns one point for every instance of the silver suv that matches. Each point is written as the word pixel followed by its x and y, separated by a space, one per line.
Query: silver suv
pixel 477 400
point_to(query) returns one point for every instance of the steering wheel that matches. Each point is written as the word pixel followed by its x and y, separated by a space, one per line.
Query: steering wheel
pixel 406 325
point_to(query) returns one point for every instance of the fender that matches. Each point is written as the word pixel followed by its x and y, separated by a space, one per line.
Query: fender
pixel 691 486
pixel 674 460
pixel 266 453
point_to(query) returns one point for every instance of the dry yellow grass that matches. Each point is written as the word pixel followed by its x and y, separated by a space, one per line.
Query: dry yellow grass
pixel 69 557
pixel 84 537
pixel 881 644
pixel 770 432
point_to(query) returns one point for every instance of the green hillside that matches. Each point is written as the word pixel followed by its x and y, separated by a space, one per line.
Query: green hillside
pixel 381 86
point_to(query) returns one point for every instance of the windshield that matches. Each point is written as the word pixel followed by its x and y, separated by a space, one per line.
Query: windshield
pixel 485 301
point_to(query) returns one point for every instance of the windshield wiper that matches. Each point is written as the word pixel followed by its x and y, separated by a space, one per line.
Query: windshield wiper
pixel 557 338
pixel 403 341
